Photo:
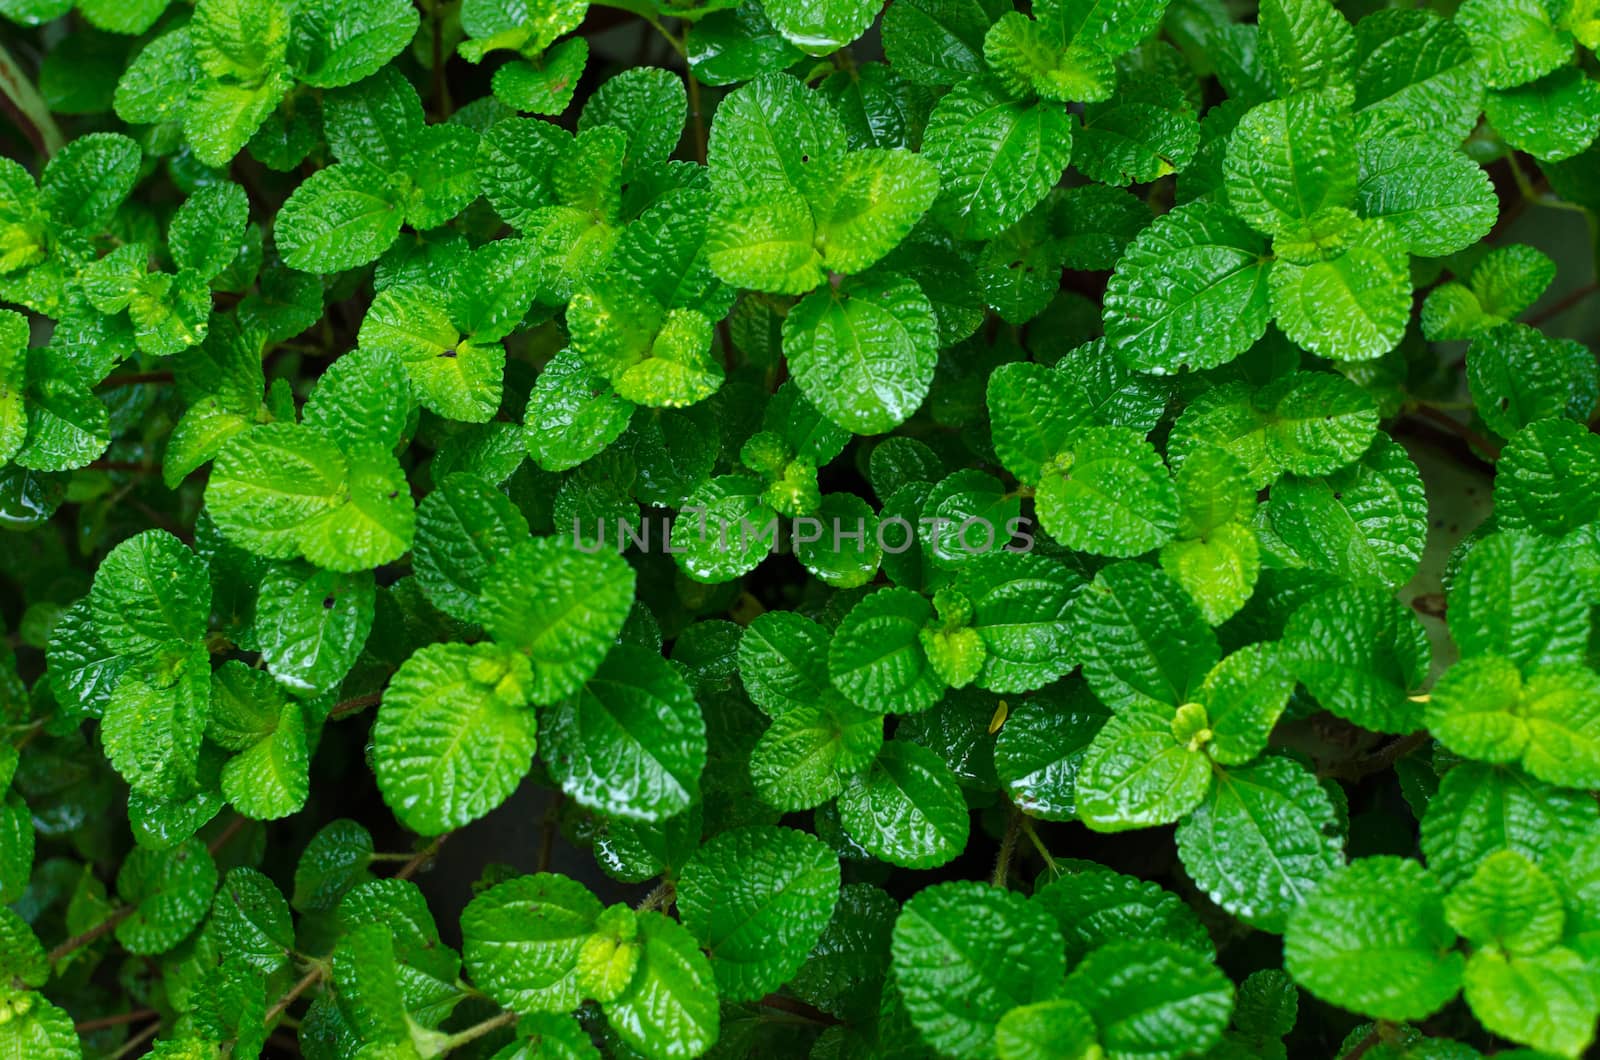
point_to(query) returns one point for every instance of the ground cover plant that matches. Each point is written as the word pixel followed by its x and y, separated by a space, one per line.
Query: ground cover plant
pixel 799 528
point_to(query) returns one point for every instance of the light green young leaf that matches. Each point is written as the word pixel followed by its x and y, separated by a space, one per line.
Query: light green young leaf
pixel 669 1011
pixel 1507 903
pixel 560 606
pixel 1373 939
pixel 1138 773
pixel 454 735
pixel 1350 307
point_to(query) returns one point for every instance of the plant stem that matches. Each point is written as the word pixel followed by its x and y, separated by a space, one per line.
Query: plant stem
pixel 132 1045
pixel 1564 303
pixel 134 378
pixel 659 898
pixel 798 1008
pixel 421 857
pixel 100 1024
pixel 1008 848
pixel 478 1030
pixel 77 942
pixel 1038 844
pixel 350 706
pixel 306 982
pixel 225 836
pixel 1485 447
pixel 20 99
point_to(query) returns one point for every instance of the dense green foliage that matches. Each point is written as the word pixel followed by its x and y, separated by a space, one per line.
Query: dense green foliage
pixel 1134 529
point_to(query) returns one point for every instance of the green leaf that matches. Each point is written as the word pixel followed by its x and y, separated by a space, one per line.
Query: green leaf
pixel 1137 773
pixel 1362 654
pixel 806 756
pixel 559 606
pixel 1553 118
pixel 774 133
pixel 1289 160
pixel 68 426
pixel 464 528
pixel 1350 307
pixel 1505 991
pixel 1034 413
pixel 268 775
pixel 1109 494
pixel 1152 998
pixel 669 1010
pixel 876 658
pixel 312 625
pixel 1021 609
pixel 936 42
pixel 1144 643
pixel 221 117
pixel 339 218
pixel 821 28
pixel 1373 939
pixel 207 229
pixel 1040 749
pixel 1511 597
pixel 333 862
pixel 1191 292
pixel 1305 45
pixel 964 955
pixel 1045 1029
pixel 333 44
pixel 1144 132
pixel 85 181
pixel 252 921
pixel 1480 809
pixel 1507 903
pixel 1483 709
pixel 1366 522
pixel 151 593
pixel 1263 840
pixel 1516 374
pixel 454 735
pixel 521 940
pixel 1416 69
pixel 758 900
pixel 1243 697
pixel 997 158
pixel 572 413
pixel 455 375
pixel 907 809
pixel 783 662
pixel 1516 40
pixel 871 204
pixel 1548 478
pixel 1094 907
pixel 170 891
pixel 651 355
pixel 155 718
pixel 863 352
pixel 1437 199
pixel 630 741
